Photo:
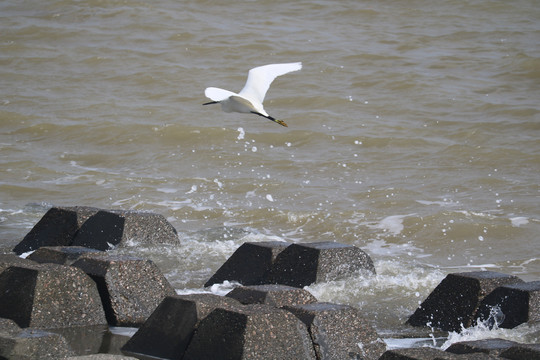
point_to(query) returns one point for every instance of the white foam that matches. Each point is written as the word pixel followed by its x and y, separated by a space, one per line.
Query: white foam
pixel 167 190
pixel 519 220
pixel 224 288
pixel 444 202
pixel 241 133
pixel 400 343
pixel 26 254
pixel 192 291
pixel 383 248
pixel 478 332
pixel 394 282
pixel 392 224
pixel 123 331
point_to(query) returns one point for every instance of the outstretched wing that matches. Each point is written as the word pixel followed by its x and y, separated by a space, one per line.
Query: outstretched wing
pixel 260 78
pixel 217 94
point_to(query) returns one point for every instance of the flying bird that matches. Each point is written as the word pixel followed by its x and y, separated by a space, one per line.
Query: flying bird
pixel 250 98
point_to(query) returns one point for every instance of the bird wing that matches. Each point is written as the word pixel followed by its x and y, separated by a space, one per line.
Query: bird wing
pixel 260 78
pixel 217 94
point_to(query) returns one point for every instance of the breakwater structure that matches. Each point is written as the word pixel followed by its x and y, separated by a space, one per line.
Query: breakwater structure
pixel 61 299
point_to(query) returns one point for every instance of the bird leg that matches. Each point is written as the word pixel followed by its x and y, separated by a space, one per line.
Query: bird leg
pixel 280 122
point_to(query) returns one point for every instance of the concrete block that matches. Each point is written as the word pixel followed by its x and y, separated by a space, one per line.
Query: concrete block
pixel 97 228
pixel 489 346
pixel 454 302
pixel 249 263
pixel 273 295
pixel 522 351
pixel 131 288
pixel 511 305
pixel 102 231
pixel 49 296
pixel 168 331
pixel 33 344
pixel 63 255
pixel 250 332
pixel 427 353
pixel 300 265
pixel 56 228
pixel 9 326
pixel 7 260
pixel 339 331
pixel 101 357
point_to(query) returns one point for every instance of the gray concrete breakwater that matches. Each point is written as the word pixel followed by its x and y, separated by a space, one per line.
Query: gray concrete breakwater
pixel 61 301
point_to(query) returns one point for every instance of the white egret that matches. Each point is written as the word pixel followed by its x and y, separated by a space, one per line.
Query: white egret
pixel 251 97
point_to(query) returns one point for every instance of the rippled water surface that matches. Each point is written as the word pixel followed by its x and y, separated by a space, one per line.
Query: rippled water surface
pixel 414 133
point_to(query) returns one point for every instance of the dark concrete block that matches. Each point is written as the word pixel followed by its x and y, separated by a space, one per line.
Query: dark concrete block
pixel 489 346
pixel 168 331
pixel 102 231
pixel 56 228
pixel 273 295
pixel 454 302
pixel 30 344
pixel 514 304
pixel 250 332
pixel 108 229
pixel 49 296
pixel 427 353
pixel 303 264
pixel 63 255
pixel 339 331
pixel 130 288
pixel 249 263
pixel 97 228
pixel 522 351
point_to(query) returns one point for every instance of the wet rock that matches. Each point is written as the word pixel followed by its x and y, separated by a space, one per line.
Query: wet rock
pixel 339 331
pixel 130 288
pixel 490 346
pixel 427 353
pixel 250 332
pixel 454 302
pixel 522 351
pixel 168 331
pixel 300 265
pixel 56 228
pixel 511 305
pixel 30 344
pixel 249 263
pixel 97 228
pixel 49 296
pixel 63 255
pixel 274 295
